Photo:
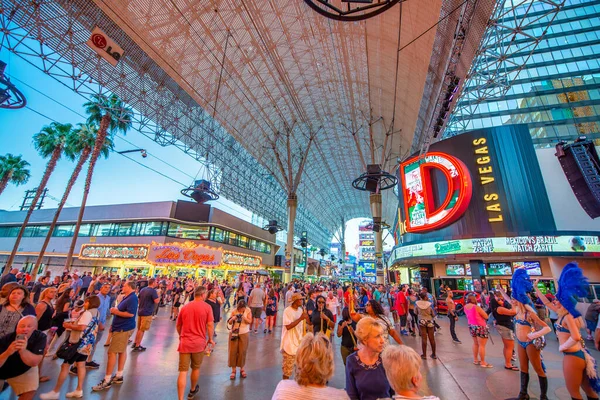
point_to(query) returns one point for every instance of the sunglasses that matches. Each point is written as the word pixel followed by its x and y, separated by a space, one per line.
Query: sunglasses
pixel 320 302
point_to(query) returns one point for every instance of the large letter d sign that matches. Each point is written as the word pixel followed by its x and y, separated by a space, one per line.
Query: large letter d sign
pixel 421 212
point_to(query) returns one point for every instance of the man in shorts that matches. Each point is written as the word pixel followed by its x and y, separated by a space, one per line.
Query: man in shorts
pixel 122 327
pixel 20 354
pixel 148 299
pixel 194 323
pixel 294 318
pixel 257 302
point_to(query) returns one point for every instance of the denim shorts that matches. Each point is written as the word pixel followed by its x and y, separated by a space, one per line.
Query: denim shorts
pixel 505 333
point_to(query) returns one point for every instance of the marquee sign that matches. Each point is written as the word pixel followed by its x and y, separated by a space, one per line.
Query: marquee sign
pixel 421 212
pixel 511 245
pixel 184 254
pixel 113 252
pixel 231 258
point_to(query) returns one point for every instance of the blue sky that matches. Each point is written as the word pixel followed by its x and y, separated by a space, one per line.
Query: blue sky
pixel 117 179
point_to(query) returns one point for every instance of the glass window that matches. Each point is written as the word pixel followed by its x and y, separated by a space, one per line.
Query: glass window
pixel 64 230
pixel 103 230
pixel 232 238
pixel 217 235
pixel 124 228
pixel 152 229
pixel 243 241
pixel 84 230
pixel 188 231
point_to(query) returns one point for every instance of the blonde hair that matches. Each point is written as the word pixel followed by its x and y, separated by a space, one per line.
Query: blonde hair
pixel 314 360
pixel 401 364
pixel 46 291
pixel 365 326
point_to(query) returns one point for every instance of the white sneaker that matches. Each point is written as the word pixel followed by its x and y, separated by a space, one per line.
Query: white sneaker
pixel 50 396
pixel 75 394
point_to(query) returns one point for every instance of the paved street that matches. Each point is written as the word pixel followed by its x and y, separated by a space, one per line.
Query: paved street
pixel 452 377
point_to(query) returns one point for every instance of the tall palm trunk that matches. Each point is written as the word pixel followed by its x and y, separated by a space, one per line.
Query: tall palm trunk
pixel 4 181
pixel 85 154
pixel 102 133
pixel 49 169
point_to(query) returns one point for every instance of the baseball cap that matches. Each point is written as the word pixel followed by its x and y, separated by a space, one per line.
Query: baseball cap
pixel 78 303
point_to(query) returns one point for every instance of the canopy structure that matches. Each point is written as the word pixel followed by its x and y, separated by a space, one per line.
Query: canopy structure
pixel 227 81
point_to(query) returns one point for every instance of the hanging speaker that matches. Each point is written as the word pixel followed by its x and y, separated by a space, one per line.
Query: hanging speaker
pixel 581 166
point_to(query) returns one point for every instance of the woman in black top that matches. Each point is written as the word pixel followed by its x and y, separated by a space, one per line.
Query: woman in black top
pixel 504 313
pixel 44 310
pixel 321 318
pixel 345 330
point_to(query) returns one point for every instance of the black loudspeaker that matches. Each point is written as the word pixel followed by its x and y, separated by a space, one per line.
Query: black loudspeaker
pixel 279 260
pixel 392 276
pixel 581 166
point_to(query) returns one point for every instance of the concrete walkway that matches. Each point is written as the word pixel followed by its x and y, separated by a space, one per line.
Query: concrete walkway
pixel 153 374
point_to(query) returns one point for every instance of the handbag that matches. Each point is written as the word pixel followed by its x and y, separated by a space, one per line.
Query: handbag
pixel 68 350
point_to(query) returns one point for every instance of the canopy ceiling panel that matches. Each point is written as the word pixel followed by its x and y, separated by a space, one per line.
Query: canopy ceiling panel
pixel 266 70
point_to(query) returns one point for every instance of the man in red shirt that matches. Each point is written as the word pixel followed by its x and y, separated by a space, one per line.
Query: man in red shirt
pixel 194 323
pixel 402 308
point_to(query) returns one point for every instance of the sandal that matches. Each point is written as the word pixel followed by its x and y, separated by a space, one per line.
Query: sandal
pixel 243 374
pixel 486 365
pixel 232 376
pixel 476 362
pixel 512 368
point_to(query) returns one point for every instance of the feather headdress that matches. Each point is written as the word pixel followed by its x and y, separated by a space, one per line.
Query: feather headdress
pixel 572 285
pixel 521 285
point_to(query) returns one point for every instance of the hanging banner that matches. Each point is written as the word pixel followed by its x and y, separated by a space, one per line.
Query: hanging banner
pixel 186 253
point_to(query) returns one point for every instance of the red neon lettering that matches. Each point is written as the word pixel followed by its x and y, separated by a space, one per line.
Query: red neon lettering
pixel 419 204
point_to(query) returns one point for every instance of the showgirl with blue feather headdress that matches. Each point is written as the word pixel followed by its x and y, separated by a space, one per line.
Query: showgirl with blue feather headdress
pixel 530 341
pixel 579 367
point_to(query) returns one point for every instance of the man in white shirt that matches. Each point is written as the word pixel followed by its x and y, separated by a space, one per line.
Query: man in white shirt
pixel 288 295
pixel 332 304
pixel 257 302
pixel 294 318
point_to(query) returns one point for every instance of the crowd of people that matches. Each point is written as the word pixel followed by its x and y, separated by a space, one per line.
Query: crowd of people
pixel 65 317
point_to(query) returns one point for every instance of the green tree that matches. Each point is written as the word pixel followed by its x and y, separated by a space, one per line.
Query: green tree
pixel 49 142
pixel 80 144
pixel 13 169
pixel 111 114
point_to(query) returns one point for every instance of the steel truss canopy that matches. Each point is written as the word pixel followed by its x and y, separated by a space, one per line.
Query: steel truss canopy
pixel 222 80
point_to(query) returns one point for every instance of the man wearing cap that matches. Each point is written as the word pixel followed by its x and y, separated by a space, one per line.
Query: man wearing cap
pixel 294 319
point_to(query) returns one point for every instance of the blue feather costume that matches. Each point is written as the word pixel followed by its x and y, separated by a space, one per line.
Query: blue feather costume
pixel 572 285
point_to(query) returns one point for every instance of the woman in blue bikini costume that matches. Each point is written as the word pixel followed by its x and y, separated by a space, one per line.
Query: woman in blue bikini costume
pixel 526 319
pixel 579 367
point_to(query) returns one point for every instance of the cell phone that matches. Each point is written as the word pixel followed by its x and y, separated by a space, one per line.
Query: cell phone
pixel 21 337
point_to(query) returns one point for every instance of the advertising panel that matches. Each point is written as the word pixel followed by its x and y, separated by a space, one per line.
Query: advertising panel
pixel 365 268
pixel 499 269
pixel 548 245
pixel 231 258
pixel 455 269
pixel 508 196
pixel 533 267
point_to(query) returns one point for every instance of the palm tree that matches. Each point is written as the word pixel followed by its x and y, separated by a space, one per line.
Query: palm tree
pixel 13 169
pixel 49 142
pixel 79 146
pixel 113 116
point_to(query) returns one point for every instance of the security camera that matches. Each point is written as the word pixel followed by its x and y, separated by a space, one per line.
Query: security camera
pixel 144 154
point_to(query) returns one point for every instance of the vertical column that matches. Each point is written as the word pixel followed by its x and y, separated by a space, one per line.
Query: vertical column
pixel 289 247
pixel 375 201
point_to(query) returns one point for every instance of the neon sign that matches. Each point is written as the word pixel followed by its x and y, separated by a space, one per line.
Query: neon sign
pixel 419 203
pixel 187 253
pixel 112 252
